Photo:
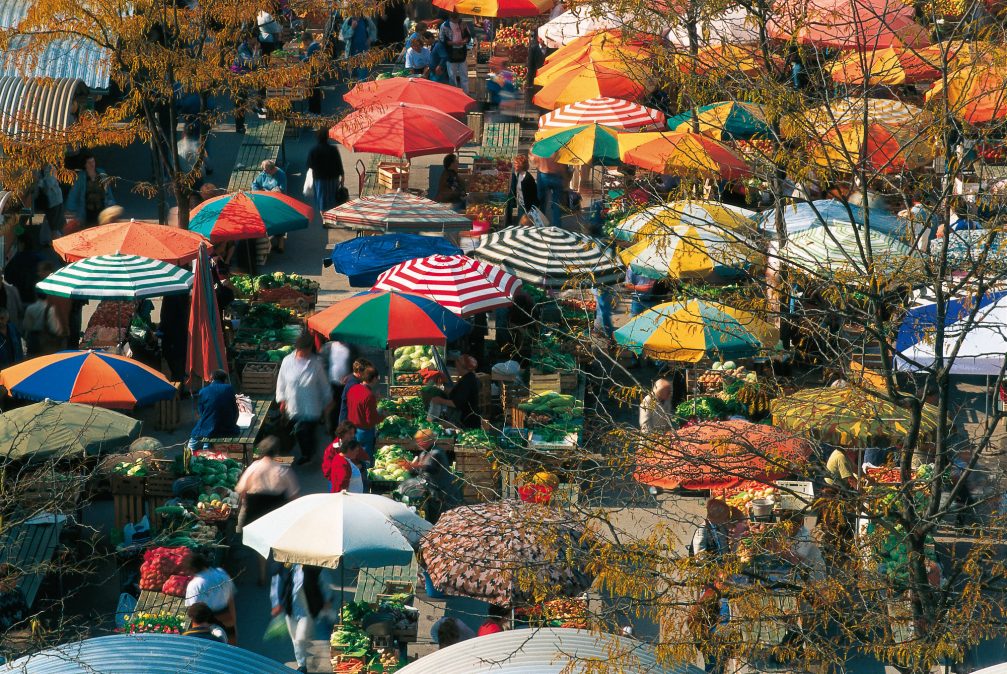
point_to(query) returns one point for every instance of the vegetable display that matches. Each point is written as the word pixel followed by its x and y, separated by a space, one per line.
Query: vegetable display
pixel 389 464
pixel 396 427
pixel 160 564
pixel 350 640
pixel 413 358
pixel 250 286
pixel 136 468
pixel 266 317
pixel 162 623
pixel 707 408
pixel 411 407
pixel 176 584
pixel 214 473
pixel 476 438
pixel 553 404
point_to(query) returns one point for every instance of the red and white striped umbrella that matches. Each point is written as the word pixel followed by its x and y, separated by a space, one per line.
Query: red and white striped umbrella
pixel 461 284
pixel 395 211
pixel 614 112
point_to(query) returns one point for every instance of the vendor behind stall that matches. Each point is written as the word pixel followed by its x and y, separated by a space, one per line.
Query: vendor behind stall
pixel 213 587
pixel 463 397
pixel 217 409
pixel 434 467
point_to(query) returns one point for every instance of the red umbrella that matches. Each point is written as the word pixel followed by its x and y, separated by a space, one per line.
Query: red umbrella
pixel 412 90
pixel 864 25
pixel 463 285
pixel 402 130
pixel 149 239
pixel 206 338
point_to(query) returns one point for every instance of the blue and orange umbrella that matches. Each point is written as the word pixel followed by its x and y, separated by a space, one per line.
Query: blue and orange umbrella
pixel 87 377
pixel 388 320
pixel 249 215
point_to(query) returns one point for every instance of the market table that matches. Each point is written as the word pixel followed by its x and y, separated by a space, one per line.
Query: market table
pixel 268 133
pixel 28 547
pixel 239 447
pixel 158 602
pixel 374 581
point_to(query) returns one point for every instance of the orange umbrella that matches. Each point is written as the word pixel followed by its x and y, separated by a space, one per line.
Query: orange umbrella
pixel 720 454
pixel 402 130
pixel 414 90
pixel 864 25
pixel 885 148
pixel 681 154
pixel 724 59
pixel 976 90
pixel 890 66
pixel 158 242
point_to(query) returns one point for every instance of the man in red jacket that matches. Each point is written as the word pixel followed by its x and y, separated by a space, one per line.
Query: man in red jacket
pixel 362 409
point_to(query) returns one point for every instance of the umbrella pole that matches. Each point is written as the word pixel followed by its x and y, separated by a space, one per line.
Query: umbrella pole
pixel 342 587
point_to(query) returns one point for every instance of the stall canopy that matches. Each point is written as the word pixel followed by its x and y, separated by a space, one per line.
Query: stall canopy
pixel 549 650
pixel 38 106
pixel 147 654
pixel 363 259
pixel 978 346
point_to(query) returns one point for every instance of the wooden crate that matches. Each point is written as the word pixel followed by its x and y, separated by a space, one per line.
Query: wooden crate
pixel 239 451
pixel 169 415
pixel 127 499
pixel 481 479
pixel 157 490
pixel 259 379
pixel 564 381
pixel 565 494
pixel 393 175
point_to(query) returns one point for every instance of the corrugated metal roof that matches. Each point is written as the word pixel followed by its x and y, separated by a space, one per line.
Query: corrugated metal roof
pixel 145 654
pixel 37 105
pixel 542 651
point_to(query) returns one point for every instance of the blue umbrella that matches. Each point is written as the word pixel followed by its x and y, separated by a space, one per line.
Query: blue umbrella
pixel 921 319
pixel 364 258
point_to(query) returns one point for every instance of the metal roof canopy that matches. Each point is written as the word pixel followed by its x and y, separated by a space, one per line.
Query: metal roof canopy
pixel 543 651
pixel 145 654
pixel 37 106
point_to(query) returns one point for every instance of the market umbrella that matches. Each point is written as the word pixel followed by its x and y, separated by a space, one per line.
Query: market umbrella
pixel 87 377
pixel 838 246
pixel 734 26
pixel 579 145
pixel 978 345
pixel 800 216
pixel 577 22
pixel 463 285
pixel 388 320
pixel 975 92
pixel 727 120
pixel 891 66
pixel 823 118
pixel 689 154
pixel 720 455
pixel 847 415
pixel 863 25
pixel 413 90
pixel 401 130
pixel 496 8
pixel 549 256
pixel 205 350
pixel 249 215
pixel 877 146
pixel 664 218
pixel 360 530
pixel 689 331
pixel 396 210
pixel 727 59
pixel 158 242
pixel 507 552
pixel 362 259
pixel 53 430
pixel 614 113
pixel 691 251
pixel 117 277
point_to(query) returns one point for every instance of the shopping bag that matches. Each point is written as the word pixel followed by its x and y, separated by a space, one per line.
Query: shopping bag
pixel 276 629
pixel 537 217
pixel 308 191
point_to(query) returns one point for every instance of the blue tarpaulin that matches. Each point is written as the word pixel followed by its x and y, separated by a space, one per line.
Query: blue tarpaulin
pixel 364 258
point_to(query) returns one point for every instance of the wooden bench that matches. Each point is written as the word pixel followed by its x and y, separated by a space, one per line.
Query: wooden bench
pixel 28 548
pixel 269 133
pixel 240 447
pixel 375 580
pixel 158 602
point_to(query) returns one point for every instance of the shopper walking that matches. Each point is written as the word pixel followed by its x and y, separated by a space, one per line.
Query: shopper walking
pixel 213 587
pixel 304 394
pixel 326 172
pixel 455 35
pixel 296 593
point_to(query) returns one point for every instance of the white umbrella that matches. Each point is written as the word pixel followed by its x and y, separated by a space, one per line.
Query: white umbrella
pixel 575 23
pixel 359 530
pixel 734 26
pixel 983 344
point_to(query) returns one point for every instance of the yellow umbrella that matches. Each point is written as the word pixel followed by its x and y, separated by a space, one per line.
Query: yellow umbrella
pixel 891 66
pixel 823 118
pixel 975 90
pixel 881 147
pixel 681 154
pixel 579 145
pixel 725 59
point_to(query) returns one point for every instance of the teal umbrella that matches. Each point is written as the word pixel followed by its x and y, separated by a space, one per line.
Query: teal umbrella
pixel 728 120
pixel 249 215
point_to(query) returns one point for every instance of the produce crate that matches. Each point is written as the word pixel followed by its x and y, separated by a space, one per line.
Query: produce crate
pixel 517 416
pixel 260 378
pixel 404 391
pixel 157 491
pixel 566 493
pixel 289 298
pixel 481 479
pixel 169 415
pixel 393 175
pixel 127 499
pixel 561 382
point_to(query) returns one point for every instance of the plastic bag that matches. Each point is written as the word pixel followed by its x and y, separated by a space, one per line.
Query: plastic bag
pixel 308 191
pixel 276 629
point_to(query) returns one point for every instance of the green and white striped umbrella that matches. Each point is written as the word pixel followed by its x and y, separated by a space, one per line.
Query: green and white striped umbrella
pixel 841 246
pixel 117 277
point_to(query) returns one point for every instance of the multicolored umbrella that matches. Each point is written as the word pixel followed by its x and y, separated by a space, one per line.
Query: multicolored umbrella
pixel 891 66
pixel 822 119
pixel 249 215
pixel 88 377
pixel 665 217
pixel 686 154
pixel 549 256
pixel 50 430
pixel 880 147
pixel 205 352
pixel 847 415
pixel 689 331
pixel 463 285
pixel 401 130
pixel 393 211
pixel 117 277
pixel 579 145
pixel 158 242
pixel 863 25
pixel 388 320
pixel 704 252
pixel 413 90
pixel 614 113
pixel 727 120
pixel 496 8
pixel 838 246
pixel 507 552
pixel 720 455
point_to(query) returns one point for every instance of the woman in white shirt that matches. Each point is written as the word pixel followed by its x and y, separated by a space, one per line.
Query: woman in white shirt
pixel 418 59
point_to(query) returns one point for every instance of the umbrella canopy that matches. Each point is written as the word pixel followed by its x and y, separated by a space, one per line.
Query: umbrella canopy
pixel 249 215
pixel 401 130
pixel 689 331
pixel 463 285
pixel 734 26
pixel 549 256
pixel 52 430
pixel 801 216
pixel 575 23
pixel 891 66
pixel 694 252
pixel 727 59
pixel 836 246
pixel 846 415
pixel 496 8
pixel 976 92
pixel 579 145
pixel 363 258
pixel 158 242
pixel 388 320
pixel 88 377
pixel 921 319
pixel 494 551
pixel 863 25
pixel 117 277
pixel 413 90
pixel 361 530
pixel 395 210
pixel 720 455
pixel 878 146
pixel 728 120
pixel 688 154
pixel 822 119
pixel 614 113
pixel 978 345
pixel 205 351
pixel 666 217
